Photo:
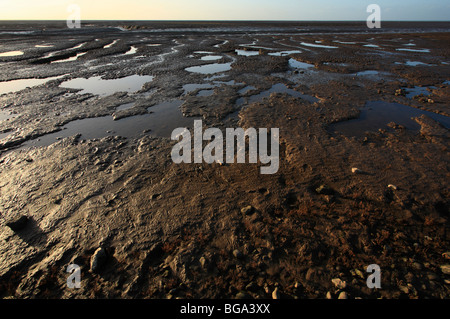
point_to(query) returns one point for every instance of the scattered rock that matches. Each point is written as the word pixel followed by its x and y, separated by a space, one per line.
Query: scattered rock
pixel 324 190
pixel 445 269
pixel 247 210
pixel 18 223
pixel 356 170
pixel 328 296
pixel 340 284
pixel 404 289
pixel 392 187
pixel 203 262
pixel 242 295
pixel 237 253
pixel 343 295
pixel 276 294
pixel 98 259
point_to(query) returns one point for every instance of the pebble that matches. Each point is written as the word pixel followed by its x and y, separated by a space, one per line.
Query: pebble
pixel 242 295
pixel 202 261
pixel 276 294
pixel 237 254
pixel 339 283
pixel 247 210
pixel 98 259
pixel 356 170
pixel 404 289
pixel 392 186
pixel 445 269
pixel 343 295
pixel 328 296
pixel 322 189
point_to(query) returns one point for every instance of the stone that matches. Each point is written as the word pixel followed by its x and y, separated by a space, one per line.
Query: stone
pixel 18 223
pixel 338 283
pixel 325 190
pixel 445 269
pixel 356 170
pixel 392 187
pixel 203 262
pixel 247 210
pixel 328 296
pixel 237 254
pixel 343 295
pixel 242 295
pixel 276 294
pixel 98 259
pixel 404 289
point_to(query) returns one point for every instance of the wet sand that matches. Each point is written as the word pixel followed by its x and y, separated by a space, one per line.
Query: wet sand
pixel 89 164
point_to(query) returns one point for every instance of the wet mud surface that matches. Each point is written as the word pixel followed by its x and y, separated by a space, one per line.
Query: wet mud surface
pixel 89 164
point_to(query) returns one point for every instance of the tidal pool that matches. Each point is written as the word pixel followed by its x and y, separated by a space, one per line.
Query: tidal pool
pixel 293 63
pixel 377 114
pixel 18 85
pixel 98 86
pixel 276 88
pixel 246 52
pixel 11 53
pixel 210 68
pixel 162 120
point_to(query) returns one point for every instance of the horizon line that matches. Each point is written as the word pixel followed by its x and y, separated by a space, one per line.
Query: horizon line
pixel 231 20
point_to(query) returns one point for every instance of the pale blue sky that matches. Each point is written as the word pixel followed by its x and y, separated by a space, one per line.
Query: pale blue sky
pixel 225 9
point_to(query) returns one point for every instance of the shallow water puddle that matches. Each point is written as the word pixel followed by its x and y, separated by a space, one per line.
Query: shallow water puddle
pixel 246 89
pixel 18 85
pixel 211 57
pixel 133 50
pixel 74 58
pixel 165 117
pixel 417 90
pixel 210 68
pixel 98 86
pixel 293 63
pixel 203 52
pixel 111 44
pixel 246 52
pixel 318 45
pixel 194 86
pixel 276 88
pixel 205 93
pixel 377 114
pixel 11 53
pixel 415 63
pixel 284 53
pixel 415 50
pixel 367 73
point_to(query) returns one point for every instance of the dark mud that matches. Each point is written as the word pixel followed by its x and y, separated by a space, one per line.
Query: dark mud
pixel 224 231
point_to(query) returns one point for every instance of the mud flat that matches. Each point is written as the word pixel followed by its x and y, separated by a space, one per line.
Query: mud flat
pixel 85 160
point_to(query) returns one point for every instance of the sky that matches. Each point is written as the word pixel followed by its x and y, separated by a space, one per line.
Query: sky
pixel 224 9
